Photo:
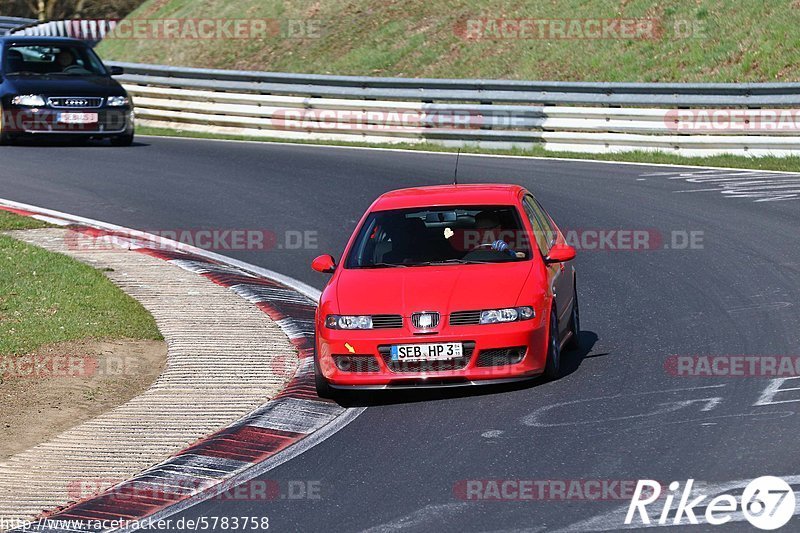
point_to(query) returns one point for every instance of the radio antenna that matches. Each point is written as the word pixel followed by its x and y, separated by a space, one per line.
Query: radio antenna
pixel 455 174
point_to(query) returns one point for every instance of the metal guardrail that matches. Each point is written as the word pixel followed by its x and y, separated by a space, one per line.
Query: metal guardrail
pixel 431 89
pixel 584 117
pixel 9 23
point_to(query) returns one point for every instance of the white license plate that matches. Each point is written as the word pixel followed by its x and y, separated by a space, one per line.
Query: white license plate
pixel 78 118
pixel 427 352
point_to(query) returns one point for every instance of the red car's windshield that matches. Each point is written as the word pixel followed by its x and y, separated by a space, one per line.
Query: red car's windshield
pixel 440 235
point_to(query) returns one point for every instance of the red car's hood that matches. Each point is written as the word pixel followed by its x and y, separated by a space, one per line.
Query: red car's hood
pixel 443 289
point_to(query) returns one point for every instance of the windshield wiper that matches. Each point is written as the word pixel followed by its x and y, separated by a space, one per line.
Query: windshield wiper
pixel 453 262
pixel 382 265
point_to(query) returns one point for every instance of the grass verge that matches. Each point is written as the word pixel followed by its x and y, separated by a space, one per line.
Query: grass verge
pixel 47 297
pixel 10 221
pixel 785 164
pixel 691 40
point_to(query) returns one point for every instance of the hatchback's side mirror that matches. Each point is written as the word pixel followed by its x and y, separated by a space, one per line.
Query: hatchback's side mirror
pixel 116 71
pixel 324 264
pixel 560 253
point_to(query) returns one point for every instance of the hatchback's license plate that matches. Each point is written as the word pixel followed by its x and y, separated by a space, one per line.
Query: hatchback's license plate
pixel 78 118
pixel 427 352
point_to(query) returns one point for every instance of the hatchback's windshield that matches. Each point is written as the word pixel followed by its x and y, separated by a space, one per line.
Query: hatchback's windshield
pixel 51 60
pixel 434 236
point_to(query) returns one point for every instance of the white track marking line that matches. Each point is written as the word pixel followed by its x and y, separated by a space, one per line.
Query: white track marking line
pixel 756 185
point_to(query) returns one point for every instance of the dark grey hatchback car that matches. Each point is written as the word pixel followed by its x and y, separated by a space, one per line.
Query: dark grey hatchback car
pixel 52 86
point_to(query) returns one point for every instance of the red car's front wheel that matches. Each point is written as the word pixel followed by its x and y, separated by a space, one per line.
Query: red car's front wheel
pixel 575 324
pixel 324 389
pixel 552 367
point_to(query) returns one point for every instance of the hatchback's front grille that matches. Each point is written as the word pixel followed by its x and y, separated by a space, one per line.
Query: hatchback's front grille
pixel 387 321
pixel 465 318
pixel 425 320
pixel 501 356
pixel 427 366
pixel 72 102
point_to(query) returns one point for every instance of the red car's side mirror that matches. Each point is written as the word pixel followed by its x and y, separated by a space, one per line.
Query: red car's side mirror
pixel 324 264
pixel 560 253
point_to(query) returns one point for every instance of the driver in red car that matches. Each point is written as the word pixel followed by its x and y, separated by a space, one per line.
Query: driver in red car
pixel 491 230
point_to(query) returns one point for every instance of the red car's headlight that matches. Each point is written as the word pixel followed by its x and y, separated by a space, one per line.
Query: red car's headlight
pixel 509 314
pixel 348 322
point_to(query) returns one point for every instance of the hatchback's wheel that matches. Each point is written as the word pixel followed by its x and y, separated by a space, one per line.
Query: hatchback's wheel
pixel 78 141
pixel 5 137
pixel 126 139
pixel 575 324
pixel 552 367
pixel 324 389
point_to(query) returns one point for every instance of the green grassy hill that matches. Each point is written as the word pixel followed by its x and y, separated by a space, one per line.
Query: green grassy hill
pixel 713 40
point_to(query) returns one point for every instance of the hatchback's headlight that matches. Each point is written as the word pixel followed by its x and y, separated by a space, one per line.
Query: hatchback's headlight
pixel 117 101
pixel 30 100
pixel 348 322
pixel 509 314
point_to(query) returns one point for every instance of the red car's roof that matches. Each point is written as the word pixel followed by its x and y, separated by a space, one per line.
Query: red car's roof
pixel 443 195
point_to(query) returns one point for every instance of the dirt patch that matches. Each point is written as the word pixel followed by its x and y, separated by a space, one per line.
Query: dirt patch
pixel 64 384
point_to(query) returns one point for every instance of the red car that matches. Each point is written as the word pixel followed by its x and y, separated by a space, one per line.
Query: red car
pixel 444 286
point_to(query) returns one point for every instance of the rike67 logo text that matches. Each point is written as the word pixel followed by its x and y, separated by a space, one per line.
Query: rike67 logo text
pixel 767 503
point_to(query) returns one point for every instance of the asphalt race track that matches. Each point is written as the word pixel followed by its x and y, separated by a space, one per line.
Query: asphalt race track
pixel 619 415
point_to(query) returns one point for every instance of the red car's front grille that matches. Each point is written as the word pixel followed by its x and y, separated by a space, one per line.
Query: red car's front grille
pixel 465 318
pixel 427 366
pixel 356 363
pixel 501 356
pixel 387 321
pixel 432 317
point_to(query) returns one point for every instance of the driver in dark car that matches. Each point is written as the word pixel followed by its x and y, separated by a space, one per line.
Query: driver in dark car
pixel 14 61
pixel 65 59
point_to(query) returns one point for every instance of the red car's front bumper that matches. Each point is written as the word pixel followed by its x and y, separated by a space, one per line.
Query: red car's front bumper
pixel 381 372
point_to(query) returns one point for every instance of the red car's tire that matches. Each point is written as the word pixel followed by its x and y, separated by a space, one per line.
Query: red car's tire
pixel 552 367
pixel 574 341
pixel 324 389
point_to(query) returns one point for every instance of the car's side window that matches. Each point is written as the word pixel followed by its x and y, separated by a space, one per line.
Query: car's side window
pixel 547 222
pixel 542 232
